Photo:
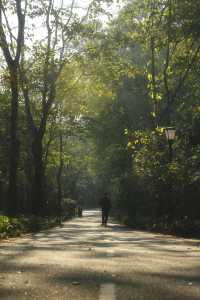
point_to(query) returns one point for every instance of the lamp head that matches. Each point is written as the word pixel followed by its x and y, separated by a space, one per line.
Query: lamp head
pixel 170 133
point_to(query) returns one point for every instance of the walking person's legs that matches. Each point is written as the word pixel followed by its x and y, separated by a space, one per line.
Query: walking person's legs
pixel 106 217
pixel 103 217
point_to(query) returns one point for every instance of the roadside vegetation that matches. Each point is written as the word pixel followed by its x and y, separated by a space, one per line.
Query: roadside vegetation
pixel 12 227
pixel 21 224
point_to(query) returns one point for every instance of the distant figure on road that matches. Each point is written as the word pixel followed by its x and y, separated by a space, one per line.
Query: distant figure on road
pixel 80 211
pixel 105 204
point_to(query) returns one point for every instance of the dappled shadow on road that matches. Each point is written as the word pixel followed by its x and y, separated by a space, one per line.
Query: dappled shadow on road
pixel 87 232
pixel 84 283
pixel 144 286
pixel 79 283
pixel 91 255
pixel 6 293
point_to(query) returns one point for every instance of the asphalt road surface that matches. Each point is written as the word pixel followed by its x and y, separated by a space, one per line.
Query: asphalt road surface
pixel 84 261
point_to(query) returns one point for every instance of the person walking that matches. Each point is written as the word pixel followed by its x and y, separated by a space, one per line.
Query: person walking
pixel 105 204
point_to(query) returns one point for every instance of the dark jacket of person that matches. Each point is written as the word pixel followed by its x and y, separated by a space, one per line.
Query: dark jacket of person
pixel 105 203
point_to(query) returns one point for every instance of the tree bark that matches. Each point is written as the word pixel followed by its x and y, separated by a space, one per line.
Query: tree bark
pixel 12 58
pixel 14 144
pixel 38 186
pixel 59 178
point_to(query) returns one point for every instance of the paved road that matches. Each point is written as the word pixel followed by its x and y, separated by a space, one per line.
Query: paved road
pixel 83 261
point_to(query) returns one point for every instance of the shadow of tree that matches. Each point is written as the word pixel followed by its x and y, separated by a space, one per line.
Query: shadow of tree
pixel 90 243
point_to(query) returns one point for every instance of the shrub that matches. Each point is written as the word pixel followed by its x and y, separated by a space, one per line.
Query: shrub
pixel 11 226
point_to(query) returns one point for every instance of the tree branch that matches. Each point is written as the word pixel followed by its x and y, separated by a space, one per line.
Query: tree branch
pixel 21 24
pixel 3 41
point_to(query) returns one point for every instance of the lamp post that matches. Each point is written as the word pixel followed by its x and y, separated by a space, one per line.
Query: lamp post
pixel 170 135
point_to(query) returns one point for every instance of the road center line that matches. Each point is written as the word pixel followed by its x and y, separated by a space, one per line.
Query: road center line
pixel 107 292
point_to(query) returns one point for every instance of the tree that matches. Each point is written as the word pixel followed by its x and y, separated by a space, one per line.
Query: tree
pixel 12 46
pixel 63 29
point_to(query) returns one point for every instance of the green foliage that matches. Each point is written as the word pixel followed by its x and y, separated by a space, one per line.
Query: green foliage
pixel 11 226
pixel 133 156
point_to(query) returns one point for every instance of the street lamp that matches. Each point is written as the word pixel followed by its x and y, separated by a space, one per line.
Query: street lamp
pixel 170 135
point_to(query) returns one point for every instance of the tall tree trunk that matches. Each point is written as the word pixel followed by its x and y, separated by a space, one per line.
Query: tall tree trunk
pixel 59 178
pixel 12 53
pixel 14 145
pixel 39 195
